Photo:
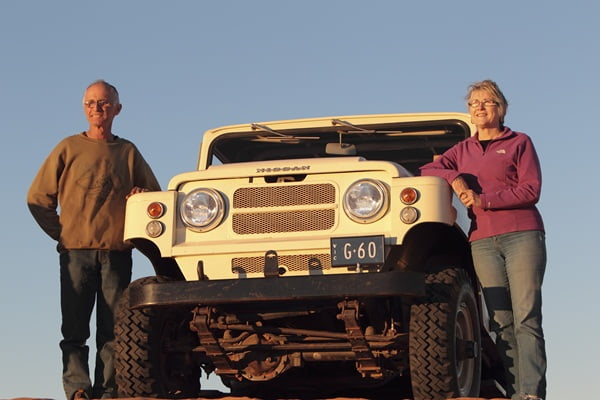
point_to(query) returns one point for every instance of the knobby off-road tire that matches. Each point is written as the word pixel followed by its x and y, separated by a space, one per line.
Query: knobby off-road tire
pixel 144 368
pixel 445 339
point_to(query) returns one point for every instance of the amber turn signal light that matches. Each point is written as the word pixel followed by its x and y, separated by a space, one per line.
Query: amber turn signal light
pixel 155 210
pixel 409 195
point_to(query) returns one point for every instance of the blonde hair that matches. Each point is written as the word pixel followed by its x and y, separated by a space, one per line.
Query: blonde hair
pixel 492 88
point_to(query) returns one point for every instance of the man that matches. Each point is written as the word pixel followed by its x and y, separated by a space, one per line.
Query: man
pixel 89 176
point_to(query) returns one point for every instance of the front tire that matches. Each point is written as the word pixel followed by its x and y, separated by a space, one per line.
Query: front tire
pixel 146 364
pixel 445 339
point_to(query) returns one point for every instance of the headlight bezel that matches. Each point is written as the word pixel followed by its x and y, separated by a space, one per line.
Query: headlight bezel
pixel 374 215
pixel 218 212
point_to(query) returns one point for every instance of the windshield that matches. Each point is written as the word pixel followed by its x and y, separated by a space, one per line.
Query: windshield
pixel 408 144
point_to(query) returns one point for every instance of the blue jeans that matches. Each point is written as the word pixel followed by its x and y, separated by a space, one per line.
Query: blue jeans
pixel 88 277
pixel 511 270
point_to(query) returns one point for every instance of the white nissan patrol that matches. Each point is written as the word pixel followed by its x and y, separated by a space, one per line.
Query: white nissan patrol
pixel 306 258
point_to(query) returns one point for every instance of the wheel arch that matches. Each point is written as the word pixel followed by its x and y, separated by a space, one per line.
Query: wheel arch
pixel 430 246
pixel 163 266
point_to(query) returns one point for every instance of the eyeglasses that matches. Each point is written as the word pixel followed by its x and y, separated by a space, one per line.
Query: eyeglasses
pixel 99 103
pixel 486 103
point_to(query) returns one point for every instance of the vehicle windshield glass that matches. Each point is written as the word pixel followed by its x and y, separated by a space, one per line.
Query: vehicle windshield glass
pixel 410 145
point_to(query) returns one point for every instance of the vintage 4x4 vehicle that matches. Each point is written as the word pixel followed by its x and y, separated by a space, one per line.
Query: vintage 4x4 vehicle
pixel 308 257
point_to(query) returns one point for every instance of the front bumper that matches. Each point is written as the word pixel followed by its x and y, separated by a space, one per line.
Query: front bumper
pixel 295 288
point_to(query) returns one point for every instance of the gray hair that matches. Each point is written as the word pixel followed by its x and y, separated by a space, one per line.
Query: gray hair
pixel 111 88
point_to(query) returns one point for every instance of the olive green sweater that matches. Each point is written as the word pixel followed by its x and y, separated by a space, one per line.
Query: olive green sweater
pixel 88 180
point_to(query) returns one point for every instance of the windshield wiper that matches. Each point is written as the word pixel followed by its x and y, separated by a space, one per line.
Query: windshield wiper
pixel 358 129
pixel 278 136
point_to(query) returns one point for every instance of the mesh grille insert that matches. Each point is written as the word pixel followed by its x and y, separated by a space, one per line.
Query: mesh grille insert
pixel 281 196
pixel 303 262
pixel 314 209
pixel 284 221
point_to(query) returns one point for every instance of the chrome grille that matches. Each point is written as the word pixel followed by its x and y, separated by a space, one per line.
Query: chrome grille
pixel 313 209
pixel 302 262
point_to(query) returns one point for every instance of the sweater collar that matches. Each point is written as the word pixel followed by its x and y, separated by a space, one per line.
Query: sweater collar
pixel 506 133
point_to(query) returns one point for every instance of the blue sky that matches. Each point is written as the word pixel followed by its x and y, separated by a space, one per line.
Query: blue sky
pixel 186 66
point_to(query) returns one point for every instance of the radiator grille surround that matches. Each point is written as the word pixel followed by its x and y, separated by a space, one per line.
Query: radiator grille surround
pixel 300 208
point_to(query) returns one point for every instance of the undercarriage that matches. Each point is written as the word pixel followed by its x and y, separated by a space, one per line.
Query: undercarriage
pixel 296 345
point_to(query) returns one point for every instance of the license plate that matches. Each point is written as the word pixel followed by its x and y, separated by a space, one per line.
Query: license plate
pixel 357 250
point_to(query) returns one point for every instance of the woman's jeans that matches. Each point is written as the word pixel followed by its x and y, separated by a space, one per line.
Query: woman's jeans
pixel 511 269
pixel 88 277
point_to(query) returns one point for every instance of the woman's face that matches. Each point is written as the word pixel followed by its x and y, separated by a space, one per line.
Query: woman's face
pixel 484 109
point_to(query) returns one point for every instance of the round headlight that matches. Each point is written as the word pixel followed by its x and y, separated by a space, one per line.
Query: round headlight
pixel 202 209
pixel 366 200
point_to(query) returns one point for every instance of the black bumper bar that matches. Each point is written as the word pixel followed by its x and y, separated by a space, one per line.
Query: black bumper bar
pixel 303 288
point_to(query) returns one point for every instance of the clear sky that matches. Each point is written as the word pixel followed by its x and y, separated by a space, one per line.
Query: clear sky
pixel 186 66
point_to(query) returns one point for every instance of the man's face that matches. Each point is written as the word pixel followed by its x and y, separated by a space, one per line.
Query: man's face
pixel 100 106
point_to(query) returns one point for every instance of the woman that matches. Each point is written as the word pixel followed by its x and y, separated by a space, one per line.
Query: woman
pixel 496 174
